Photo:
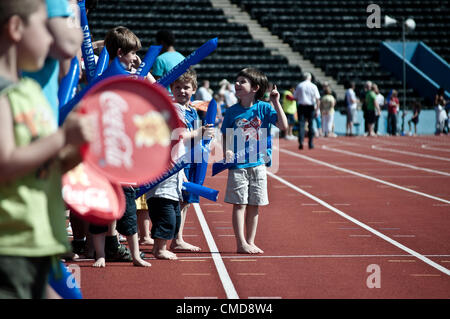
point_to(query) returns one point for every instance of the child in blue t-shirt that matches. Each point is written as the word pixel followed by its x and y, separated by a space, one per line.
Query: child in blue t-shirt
pixel 246 128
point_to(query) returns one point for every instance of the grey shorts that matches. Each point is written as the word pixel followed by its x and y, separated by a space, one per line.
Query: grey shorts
pixel 247 186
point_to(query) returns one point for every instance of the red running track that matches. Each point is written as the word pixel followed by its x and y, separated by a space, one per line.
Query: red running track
pixel 355 217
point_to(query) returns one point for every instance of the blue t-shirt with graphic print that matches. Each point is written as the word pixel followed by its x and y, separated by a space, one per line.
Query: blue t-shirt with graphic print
pixel 251 129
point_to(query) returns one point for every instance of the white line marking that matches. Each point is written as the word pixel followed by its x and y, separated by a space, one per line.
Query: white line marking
pixel 217 258
pixel 364 176
pixel 357 222
pixel 385 161
pixel 411 153
pixel 434 148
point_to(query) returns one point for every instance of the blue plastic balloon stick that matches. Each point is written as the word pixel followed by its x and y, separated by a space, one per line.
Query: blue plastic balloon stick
pixel 86 47
pixel 64 283
pixel 68 85
pixel 194 58
pixel 149 59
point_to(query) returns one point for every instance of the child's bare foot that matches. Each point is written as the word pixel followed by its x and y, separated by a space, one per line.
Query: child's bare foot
pixel 100 263
pixel 146 241
pixel 140 262
pixel 259 250
pixel 248 249
pixel 164 254
pixel 182 245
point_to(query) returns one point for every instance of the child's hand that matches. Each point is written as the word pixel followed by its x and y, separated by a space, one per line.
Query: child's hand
pixel 208 131
pixel 136 62
pixel 229 156
pixel 274 94
pixel 78 129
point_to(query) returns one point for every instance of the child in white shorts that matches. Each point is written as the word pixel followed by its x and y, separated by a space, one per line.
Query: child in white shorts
pixel 246 126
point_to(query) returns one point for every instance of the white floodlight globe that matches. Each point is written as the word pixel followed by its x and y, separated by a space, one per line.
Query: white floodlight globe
pixel 410 24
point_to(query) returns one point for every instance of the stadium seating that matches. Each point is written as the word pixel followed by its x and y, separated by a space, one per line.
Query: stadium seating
pixel 334 34
pixel 194 22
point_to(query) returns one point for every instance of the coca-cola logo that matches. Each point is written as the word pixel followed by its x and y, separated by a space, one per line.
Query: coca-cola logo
pixel 86 199
pixel 117 144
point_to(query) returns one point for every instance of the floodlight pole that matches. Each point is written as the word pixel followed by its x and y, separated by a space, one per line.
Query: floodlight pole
pixel 404 78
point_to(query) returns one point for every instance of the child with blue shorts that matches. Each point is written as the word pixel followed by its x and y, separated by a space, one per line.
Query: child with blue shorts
pixel 246 126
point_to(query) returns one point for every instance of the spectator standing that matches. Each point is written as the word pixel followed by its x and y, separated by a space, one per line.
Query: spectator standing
pixel 381 101
pixel 290 109
pixel 204 93
pixel 393 108
pixel 415 117
pixel 372 107
pixel 169 56
pixel 327 104
pixel 308 103
pixel 352 107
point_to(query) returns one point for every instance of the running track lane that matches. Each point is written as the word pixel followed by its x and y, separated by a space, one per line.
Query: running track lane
pixel 316 240
pixel 310 252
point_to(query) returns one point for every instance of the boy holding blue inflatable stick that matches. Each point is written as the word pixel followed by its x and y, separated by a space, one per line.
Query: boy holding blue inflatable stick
pixel 246 128
pixel 32 156
pixel 167 203
pixel 123 44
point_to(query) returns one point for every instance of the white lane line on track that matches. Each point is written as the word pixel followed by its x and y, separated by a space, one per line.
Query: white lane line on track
pixel 368 228
pixel 384 161
pixel 364 176
pixel 375 147
pixel 434 148
pixel 218 262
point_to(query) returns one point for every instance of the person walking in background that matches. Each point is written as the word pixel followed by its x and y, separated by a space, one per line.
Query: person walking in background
pixel 290 109
pixel 308 104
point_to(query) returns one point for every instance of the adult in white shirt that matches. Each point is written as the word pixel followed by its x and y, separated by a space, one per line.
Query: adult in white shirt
pixel 352 103
pixel 381 101
pixel 204 93
pixel 308 102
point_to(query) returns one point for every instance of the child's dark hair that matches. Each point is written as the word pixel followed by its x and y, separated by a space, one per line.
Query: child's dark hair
pixel 256 78
pixel 22 8
pixel 121 38
pixel 189 76
pixel 165 37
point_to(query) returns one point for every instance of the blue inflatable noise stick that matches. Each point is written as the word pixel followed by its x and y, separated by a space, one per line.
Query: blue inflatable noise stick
pixel 64 282
pixel 202 167
pixel 68 85
pixel 86 47
pixel 149 59
pixel 194 58
pixel 115 68
pixel 102 62
pixel 200 190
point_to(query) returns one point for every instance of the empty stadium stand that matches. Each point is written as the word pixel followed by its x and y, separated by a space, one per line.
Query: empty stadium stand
pixel 334 34
pixel 194 22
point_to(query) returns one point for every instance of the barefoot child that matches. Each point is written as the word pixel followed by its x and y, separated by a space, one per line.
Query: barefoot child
pixel 183 89
pixel 248 122
pixel 122 43
pixel 34 153
pixel 164 200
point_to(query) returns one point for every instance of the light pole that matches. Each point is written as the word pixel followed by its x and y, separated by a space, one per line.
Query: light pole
pixel 408 24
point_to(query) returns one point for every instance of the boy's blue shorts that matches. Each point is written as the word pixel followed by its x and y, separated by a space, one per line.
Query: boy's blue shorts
pixel 165 216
